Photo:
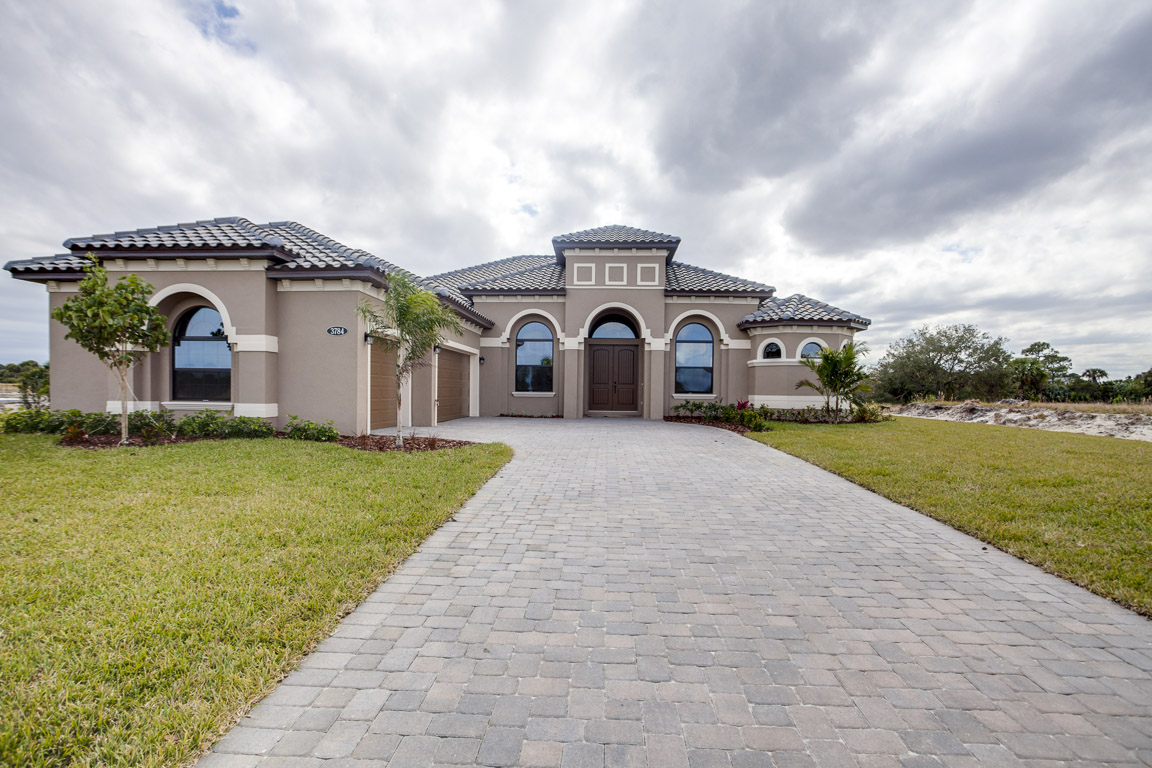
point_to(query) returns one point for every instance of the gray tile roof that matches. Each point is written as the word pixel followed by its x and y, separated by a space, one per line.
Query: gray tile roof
pixel 686 278
pixel 546 278
pixel 489 270
pixel 614 236
pixel 798 308
pixel 230 232
pixel 304 252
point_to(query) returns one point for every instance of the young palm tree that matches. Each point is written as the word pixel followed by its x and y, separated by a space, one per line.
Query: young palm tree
pixel 410 322
pixel 840 377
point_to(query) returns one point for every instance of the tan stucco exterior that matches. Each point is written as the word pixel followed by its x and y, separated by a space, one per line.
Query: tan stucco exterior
pixel 285 361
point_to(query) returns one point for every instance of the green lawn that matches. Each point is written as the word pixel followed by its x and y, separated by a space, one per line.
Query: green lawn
pixel 147 595
pixel 1075 505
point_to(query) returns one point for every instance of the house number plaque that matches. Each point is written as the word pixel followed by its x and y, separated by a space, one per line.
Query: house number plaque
pixel 337 330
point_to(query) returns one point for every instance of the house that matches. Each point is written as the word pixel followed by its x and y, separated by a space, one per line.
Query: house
pixel 611 323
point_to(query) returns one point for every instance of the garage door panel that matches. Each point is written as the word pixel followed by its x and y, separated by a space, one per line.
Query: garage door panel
pixel 452 388
pixel 383 389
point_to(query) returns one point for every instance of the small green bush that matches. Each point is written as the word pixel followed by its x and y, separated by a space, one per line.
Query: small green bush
pixel 247 427
pixel 206 423
pixel 25 421
pixel 302 429
pixel 150 424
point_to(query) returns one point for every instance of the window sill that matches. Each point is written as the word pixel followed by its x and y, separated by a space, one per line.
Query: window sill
pixel 533 394
pixel 196 405
pixel 709 396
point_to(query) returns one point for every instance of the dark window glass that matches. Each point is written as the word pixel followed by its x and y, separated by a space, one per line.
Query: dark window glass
pixel 201 359
pixel 811 349
pixel 694 348
pixel 772 351
pixel 614 327
pixel 534 351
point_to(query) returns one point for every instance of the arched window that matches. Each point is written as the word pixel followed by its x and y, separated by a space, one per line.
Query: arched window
pixel 201 359
pixel 534 356
pixel 772 351
pixel 694 360
pixel 614 327
pixel 811 349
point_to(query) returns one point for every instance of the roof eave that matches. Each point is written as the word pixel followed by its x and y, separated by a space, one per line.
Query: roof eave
pixel 184 252
pixel 857 324
pixel 758 294
pixel 367 274
pixel 560 247
pixel 516 292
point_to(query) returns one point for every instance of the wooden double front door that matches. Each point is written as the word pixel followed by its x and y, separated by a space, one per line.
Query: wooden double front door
pixel 614 378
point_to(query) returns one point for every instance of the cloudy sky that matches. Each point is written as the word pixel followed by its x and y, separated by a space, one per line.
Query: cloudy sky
pixel 981 162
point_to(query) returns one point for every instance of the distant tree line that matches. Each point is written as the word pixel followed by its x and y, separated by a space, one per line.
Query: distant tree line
pixel 959 362
pixel 11 373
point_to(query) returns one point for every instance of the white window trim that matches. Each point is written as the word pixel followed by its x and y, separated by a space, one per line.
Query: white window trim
pixel 810 340
pixel 196 405
pixel 693 396
pixel 608 271
pixel 766 342
pixel 533 394
pixel 576 279
pixel 655 274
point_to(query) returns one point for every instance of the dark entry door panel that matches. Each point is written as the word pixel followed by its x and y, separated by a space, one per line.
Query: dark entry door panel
pixel 625 369
pixel 613 378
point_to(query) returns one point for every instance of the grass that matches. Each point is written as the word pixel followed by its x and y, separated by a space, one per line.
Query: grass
pixel 1075 505
pixel 149 595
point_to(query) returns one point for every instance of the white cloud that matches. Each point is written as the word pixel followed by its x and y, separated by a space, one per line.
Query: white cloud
pixel 917 163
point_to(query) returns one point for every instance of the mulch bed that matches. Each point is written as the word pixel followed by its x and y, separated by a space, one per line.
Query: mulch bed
pixel 358 442
pixel 739 429
pixel 388 443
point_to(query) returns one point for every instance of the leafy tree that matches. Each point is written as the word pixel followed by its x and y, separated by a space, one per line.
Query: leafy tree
pixel 1095 375
pixel 1030 376
pixel 410 322
pixel 951 361
pixel 11 373
pixel 1059 367
pixel 114 322
pixel 840 377
pixel 34 388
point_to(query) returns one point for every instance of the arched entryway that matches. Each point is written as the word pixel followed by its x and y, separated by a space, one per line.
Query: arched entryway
pixel 612 360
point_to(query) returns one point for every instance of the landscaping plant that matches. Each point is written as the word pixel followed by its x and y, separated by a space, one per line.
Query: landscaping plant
pixel 410 322
pixel 114 322
pixel 840 377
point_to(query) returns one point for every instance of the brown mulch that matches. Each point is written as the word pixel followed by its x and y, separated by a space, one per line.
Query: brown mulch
pixel 739 429
pixel 358 442
pixel 388 443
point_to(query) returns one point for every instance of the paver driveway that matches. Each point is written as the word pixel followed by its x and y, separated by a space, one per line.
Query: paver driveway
pixel 629 593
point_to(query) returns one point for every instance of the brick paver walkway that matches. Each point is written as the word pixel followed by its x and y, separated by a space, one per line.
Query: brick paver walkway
pixel 630 593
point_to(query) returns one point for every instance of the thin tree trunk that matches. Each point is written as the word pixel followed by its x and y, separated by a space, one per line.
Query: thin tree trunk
pixel 123 405
pixel 399 429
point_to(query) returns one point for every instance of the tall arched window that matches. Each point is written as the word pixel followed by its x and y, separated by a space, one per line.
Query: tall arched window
pixel 201 359
pixel 811 349
pixel 772 351
pixel 534 356
pixel 694 346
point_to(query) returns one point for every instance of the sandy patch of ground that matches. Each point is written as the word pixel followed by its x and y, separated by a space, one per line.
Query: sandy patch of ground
pixel 1130 426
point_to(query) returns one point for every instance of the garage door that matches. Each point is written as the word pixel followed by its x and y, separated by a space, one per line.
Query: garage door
pixel 451 386
pixel 383 388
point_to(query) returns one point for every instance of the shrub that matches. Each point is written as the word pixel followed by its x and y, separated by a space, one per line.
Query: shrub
pixel 24 421
pixel 151 425
pixel 99 423
pixel 206 423
pixel 867 413
pixel 302 429
pixel 247 427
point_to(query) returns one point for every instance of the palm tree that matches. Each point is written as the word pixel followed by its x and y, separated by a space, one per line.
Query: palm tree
pixel 1095 375
pixel 410 322
pixel 840 377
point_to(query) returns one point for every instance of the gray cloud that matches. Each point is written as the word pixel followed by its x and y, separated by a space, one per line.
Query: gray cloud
pixel 789 142
pixel 1043 124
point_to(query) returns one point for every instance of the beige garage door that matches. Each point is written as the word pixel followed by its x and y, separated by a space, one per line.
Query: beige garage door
pixel 383 387
pixel 451 386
